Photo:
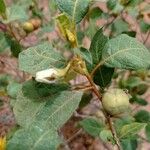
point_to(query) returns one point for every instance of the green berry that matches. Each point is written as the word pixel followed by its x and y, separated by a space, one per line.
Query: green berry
pixel 115 101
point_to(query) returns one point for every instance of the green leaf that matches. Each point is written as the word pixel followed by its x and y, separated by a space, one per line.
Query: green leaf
pixel 16 12
pixel 138 100
pixel 103 76
pixel 97 45
pixel 111 4
pixel 34 138
pixel 77 9
pixel 15 46
pixel 132 82
pixel 106 135
pixel 2 9
pixel 147 131
pixel 119 26
pixel 41 117
pixel 131 129
pixel 142 116
pixel 91 126
pixel 144 26
pixel 86 55
pixel 126 53
pixel 50 111
pixel 129 144
pixel 130 33
pixel 95 13
pixel 40 57
pixel 86 98
pixel 3 42
pixel 40 90
pixel 119 123
pixel 13 89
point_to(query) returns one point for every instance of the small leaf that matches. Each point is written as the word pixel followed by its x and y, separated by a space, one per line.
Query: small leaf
pixel 106 135
pixel 126 53
pixel 15 46
pixel 120 26
pixel 111 4
pixel 91 126
pixel 95 13
pixel 13 89
pixel 131 129
pixel 138 100
pixel 97 45
pixel 130 33
pixel 147 131
pixel 3 42
pixel 64 23
pixel 142 116
pixel 119 123
pixel 77 9
pixel 129 144
pixel 87 96
pixel 2 9
pixel 144 26
pixel 40 57
pixel 103 76
pixel 133 82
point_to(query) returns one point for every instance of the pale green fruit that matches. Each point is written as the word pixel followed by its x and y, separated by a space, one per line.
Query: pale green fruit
pixel 115 101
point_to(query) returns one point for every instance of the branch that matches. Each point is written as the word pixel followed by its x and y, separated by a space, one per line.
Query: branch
pixel 106 115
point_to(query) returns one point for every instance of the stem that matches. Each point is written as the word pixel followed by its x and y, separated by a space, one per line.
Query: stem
pixel 110 123
pixel 94 87
pixel 113 131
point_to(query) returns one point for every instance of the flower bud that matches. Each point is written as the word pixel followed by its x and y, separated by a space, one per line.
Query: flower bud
pixel 54 75
pixel 47 76
pixel 115 101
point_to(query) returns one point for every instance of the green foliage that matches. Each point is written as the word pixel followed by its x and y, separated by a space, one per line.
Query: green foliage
pixel 40 118
pixel 144 26
pixel 120 26
pixel 104 74
pixel 129 130
pixel 76 9
pixel 147 131
pixel 92 126
pixel 13 89
pixel 97 45
pixel 16 12
pixel 129 144
pixel 95 13
pixel 142 116
pixel 106 135
pixel 111 4
pixel 126 53
pixel 42 109
pixel 3 42
pixel 2 9
pixel 40 57
pixel 35 138
pixel 138 100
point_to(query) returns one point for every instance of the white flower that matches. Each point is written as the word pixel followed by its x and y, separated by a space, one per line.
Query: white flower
pixel 47 76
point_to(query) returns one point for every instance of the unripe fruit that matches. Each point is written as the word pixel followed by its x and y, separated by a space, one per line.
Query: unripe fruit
pixel 28 27
pixel 36 23
pixel 115 101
